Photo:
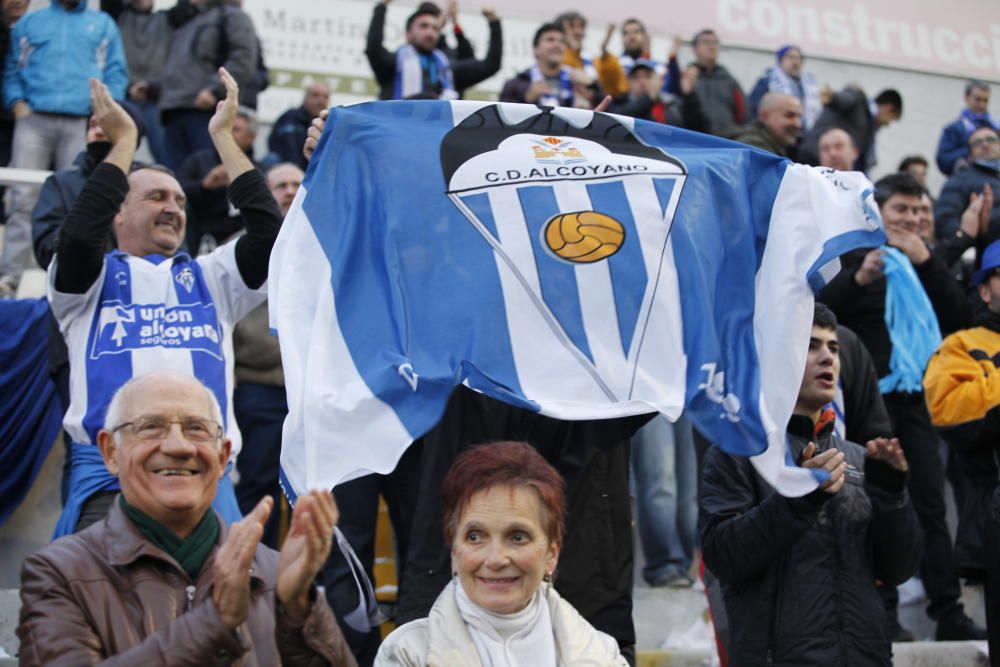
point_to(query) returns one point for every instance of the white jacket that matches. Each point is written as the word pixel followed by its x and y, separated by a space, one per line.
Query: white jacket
pixel 443 640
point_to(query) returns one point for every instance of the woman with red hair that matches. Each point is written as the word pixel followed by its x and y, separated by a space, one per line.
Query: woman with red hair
pixel 504 511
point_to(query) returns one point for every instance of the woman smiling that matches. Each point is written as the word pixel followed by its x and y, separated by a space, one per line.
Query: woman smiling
pixel 504 510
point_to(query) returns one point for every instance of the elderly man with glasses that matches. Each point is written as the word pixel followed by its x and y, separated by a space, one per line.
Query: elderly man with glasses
pixel 162 579
pixel 959 191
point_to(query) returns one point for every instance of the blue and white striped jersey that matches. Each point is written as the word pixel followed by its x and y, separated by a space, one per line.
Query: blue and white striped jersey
pixel 145 313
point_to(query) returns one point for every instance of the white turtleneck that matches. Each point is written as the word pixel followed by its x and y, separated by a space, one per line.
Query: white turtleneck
pixel 521 639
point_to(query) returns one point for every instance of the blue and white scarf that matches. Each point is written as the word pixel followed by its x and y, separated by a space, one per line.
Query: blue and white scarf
pixel 913 326
pixel 973 121
pixel 410 67
pixel 565 96
pixel 806 88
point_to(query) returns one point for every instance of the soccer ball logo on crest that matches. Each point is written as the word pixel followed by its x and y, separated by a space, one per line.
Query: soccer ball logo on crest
pixel 584 236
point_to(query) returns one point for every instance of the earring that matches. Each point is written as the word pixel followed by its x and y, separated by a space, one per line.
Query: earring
pixel 547 578
pixel 454 573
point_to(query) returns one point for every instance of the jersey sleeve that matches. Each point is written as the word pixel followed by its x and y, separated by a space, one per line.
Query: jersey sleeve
pixel 233 299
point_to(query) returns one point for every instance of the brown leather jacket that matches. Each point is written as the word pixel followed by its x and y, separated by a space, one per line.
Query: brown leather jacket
pixel 107 596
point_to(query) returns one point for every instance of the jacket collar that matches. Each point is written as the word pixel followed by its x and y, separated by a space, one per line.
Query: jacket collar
pixel 802 430
pixel 125 544
pixel 449 641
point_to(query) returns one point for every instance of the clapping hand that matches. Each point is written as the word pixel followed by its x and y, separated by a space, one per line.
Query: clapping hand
pixel 110 115
pixel 888 451
pixel 832 461
pixel 231 567
pixel 225 110
pixel 314 133
pixel 305 550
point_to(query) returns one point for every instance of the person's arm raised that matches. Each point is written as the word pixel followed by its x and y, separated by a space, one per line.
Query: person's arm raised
pixel 84 233
pixel 220 128
pixel 247 191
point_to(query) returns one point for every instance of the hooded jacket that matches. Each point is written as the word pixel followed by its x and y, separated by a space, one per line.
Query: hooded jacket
pixel 220 34
pixel 53 53
pixel 798 574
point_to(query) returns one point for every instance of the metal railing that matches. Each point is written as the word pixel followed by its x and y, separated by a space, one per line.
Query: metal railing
pixel 11 176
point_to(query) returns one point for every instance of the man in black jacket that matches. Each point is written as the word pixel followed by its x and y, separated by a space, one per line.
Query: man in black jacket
pixel 858 296
pixel 958 192
pixel 288 133
pixel 419 69
pixel 798 574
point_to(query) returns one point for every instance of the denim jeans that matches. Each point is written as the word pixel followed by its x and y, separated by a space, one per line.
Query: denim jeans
pixel 41 141
pixel 665 475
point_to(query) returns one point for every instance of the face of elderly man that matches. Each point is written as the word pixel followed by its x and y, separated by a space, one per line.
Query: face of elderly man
pixel 171 475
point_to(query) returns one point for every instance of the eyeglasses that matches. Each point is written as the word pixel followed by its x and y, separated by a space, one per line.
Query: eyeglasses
pixel 984 141
pixel 151 429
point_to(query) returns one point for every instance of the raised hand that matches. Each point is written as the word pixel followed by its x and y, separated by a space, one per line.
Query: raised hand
pixel 110 115
pixel 603 104
pixel 225 111
pixel 231 567
pixel 888 451
pixel 305 550
pixel 314 133
pixel 607 38
pixel 976 217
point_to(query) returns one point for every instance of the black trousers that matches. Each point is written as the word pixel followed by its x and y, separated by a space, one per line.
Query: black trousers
pixel 595 566
pixel 357 502
pixel 260 411
pixel 938 571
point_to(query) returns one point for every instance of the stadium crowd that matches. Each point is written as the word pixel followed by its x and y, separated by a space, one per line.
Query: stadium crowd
pixel 495 546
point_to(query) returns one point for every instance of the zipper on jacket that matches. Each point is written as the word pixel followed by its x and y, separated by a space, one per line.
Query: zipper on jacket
pixel 190 598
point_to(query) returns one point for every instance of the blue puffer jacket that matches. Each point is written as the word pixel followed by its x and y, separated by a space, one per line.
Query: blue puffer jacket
pixel 54 51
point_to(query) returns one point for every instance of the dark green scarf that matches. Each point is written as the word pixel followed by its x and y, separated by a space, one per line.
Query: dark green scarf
pixel 191 553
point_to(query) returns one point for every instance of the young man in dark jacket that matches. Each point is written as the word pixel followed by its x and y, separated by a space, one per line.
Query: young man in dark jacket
pixel 798 574
pixel 858 296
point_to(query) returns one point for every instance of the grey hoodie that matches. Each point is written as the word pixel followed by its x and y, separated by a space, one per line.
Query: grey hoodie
pixel 193 60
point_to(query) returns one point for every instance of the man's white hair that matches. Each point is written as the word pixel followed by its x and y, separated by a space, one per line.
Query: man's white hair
pixel 115 408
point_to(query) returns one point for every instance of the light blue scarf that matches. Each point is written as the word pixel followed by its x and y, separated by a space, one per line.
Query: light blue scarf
pixel 913 326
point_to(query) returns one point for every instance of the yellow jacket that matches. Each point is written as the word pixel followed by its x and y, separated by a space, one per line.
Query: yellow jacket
pixel 962 382
pixel 610 75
